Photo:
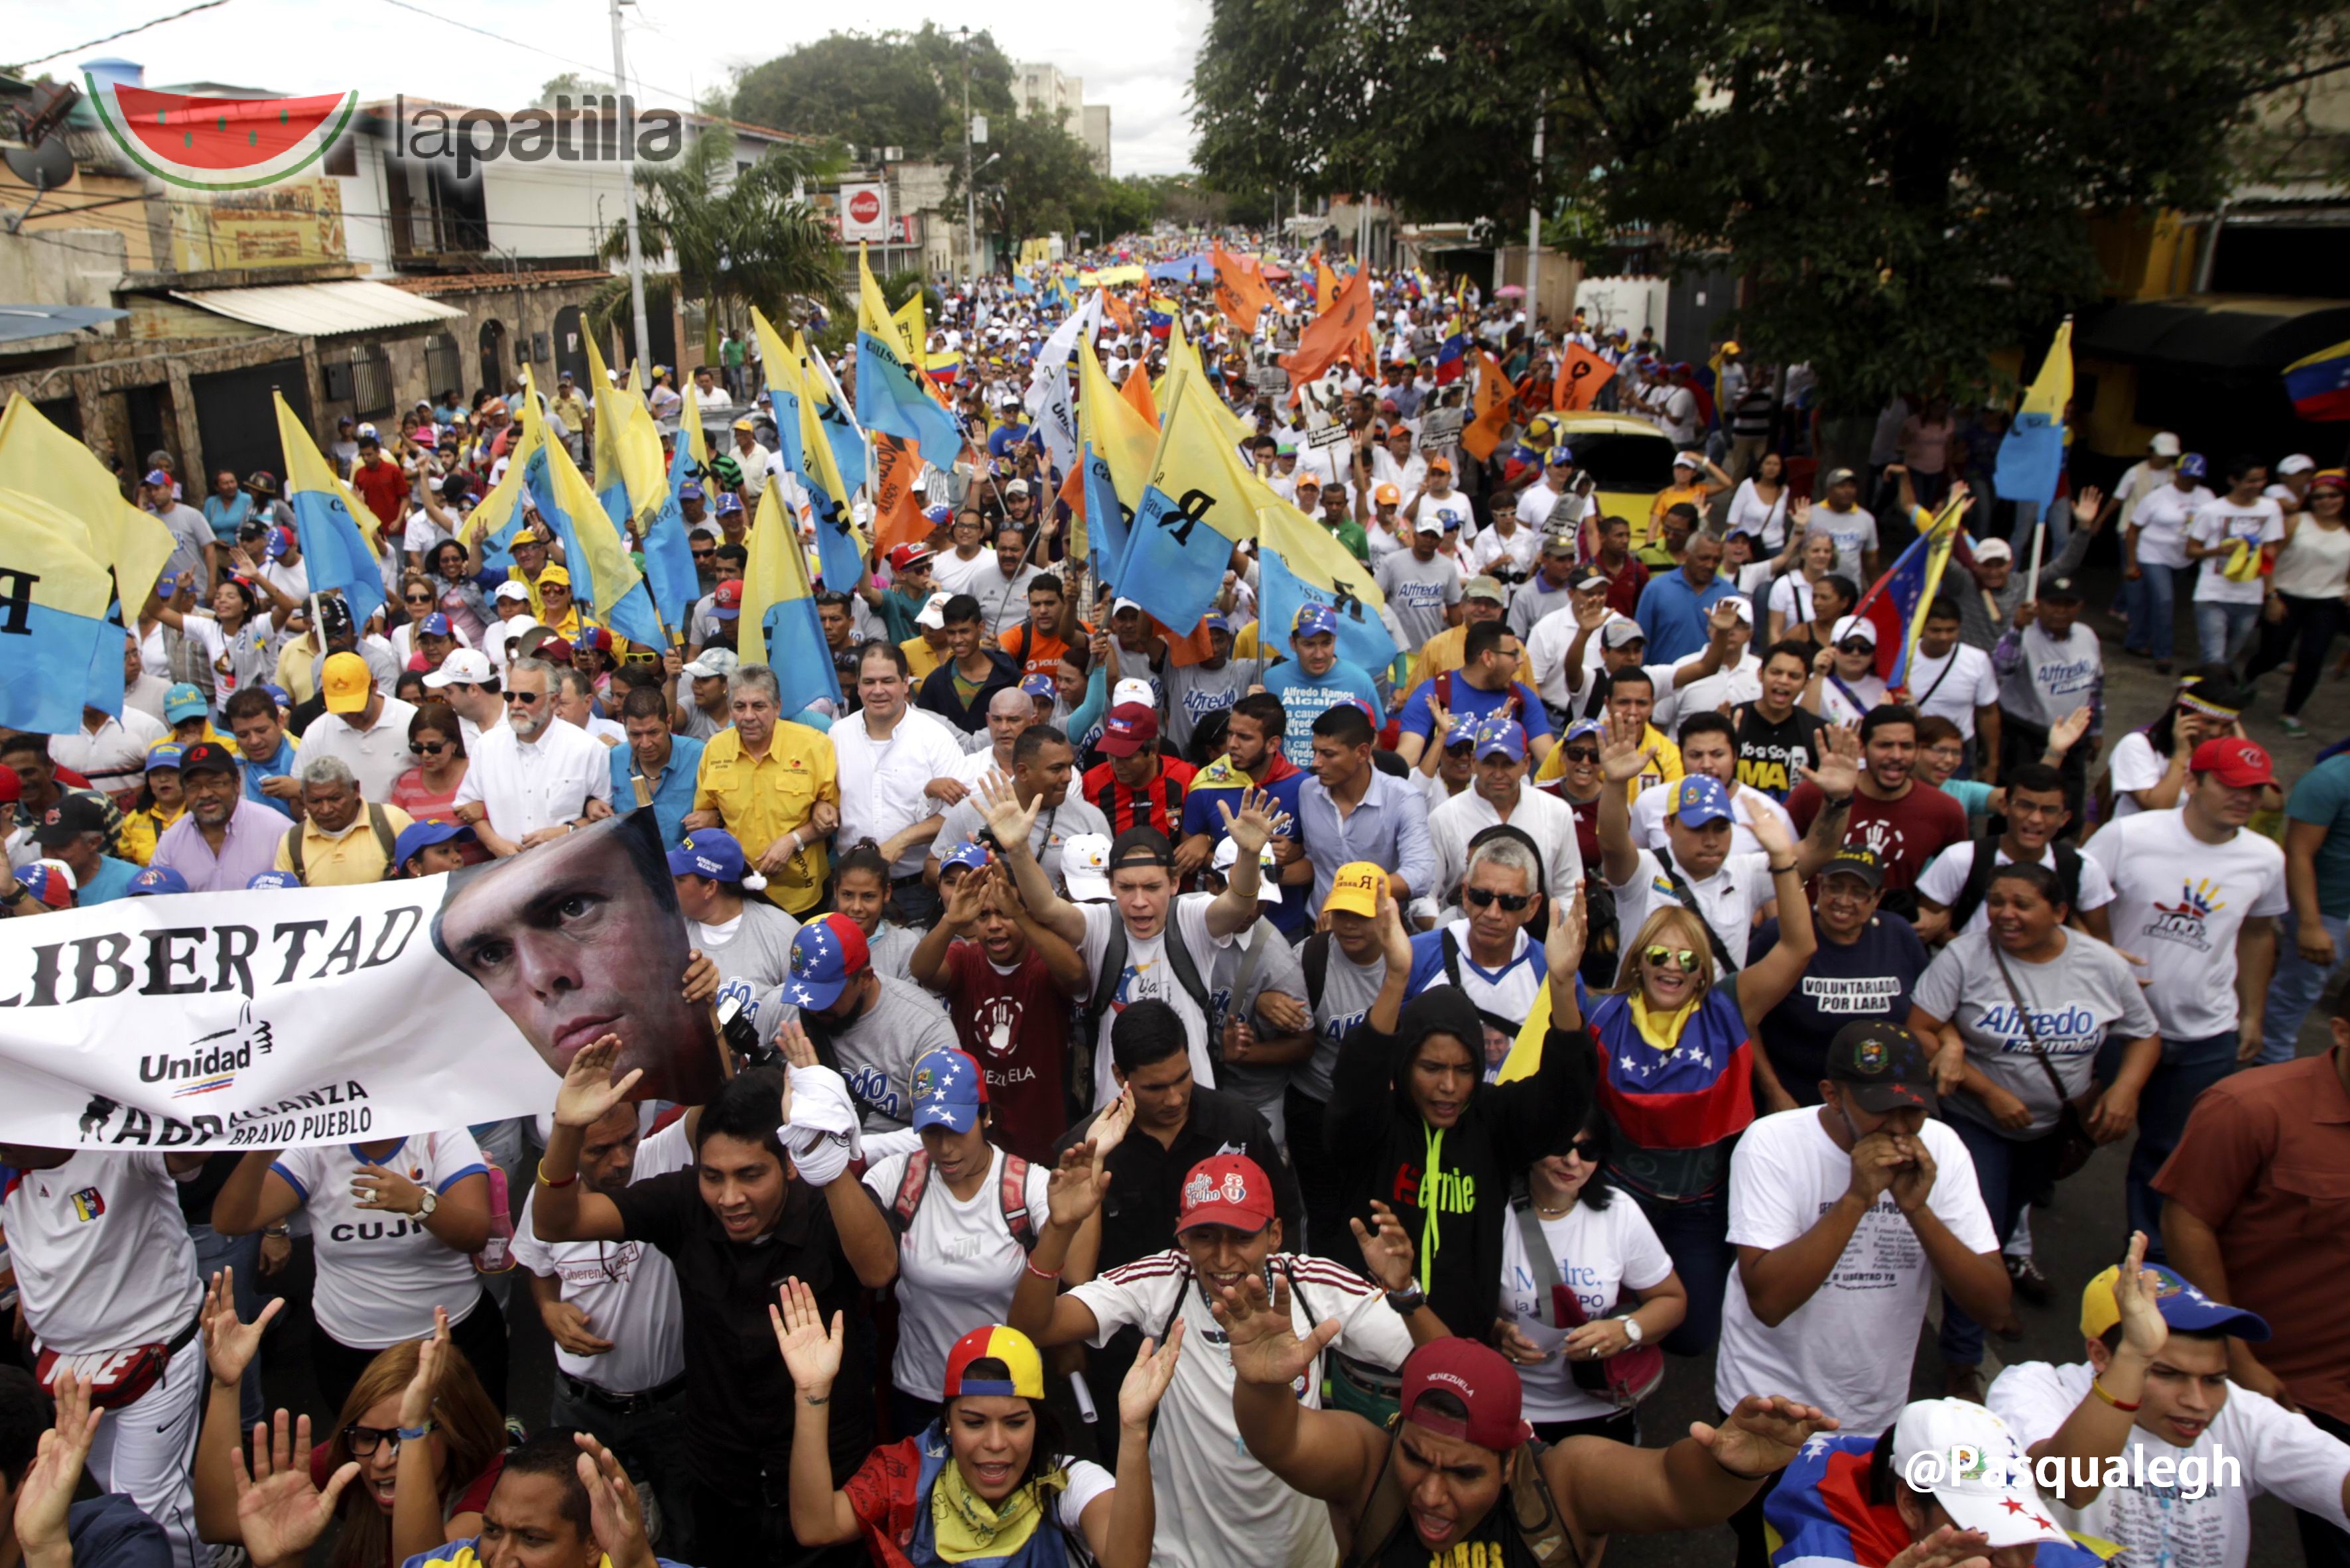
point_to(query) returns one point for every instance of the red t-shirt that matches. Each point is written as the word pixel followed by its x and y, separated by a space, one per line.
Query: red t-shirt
pixel 1159 804
pixel 1905 833
pixel 1623 586
pixel 1016 1026
pixel 384 485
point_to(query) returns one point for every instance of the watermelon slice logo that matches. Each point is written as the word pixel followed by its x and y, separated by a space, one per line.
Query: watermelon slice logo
pixel 220 143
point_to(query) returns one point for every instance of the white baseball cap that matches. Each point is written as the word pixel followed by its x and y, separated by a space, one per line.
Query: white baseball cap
pixel 1132 690
pixel 469 665
pixel 933 613
pixel 2164 444
pixel 1084 867
pixel 511 589
pixel 2299 462
pixel 1983 1476
pixel 1854 625
pixel 1228 855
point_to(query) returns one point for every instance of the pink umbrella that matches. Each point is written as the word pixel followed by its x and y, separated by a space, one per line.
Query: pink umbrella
pixel 1509 290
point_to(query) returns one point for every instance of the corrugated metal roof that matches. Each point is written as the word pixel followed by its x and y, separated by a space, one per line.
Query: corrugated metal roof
pixel 321 309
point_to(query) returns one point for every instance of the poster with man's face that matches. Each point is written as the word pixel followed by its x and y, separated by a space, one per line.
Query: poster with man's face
pixel 580 938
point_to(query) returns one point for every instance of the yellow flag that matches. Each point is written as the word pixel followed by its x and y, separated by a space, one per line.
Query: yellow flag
pixel 775 572
pixel 1525 1052
pixel 1196 466
pixel 689 430
pixel 912 330
pixel 2053 388
pixel 1108 423
pixel 1183 357
pixel 41 461
pixel 872 307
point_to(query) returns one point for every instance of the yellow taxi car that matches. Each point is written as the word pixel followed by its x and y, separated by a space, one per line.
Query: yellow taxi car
pixel 1629 460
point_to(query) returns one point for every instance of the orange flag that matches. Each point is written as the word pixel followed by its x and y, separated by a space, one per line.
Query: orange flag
pixel 1333 333
pixel 897 515
pixel 1136 392
pixel 1580 376
pixel 1483 433
pixel 1118 310
pixel 1240 294
pixel 1325 284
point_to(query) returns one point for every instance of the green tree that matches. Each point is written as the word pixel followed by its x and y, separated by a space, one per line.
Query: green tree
pixel 738 238
pixel 879 89
pixel 1034 180
pixel 1903 182
pixel 573 85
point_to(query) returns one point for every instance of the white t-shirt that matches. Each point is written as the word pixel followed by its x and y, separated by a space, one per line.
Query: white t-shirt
pixel 102 1252
pixel 1648 818
pixel 957 1266
pixel 2161 521
pixel 1790 599
pixel 377 755
pixel 1837 708
pixel 526 785
pixel 1849 1348
pixel 2179 904
pixel 882 781
pixel 1740 682
pixel 2273 1450
pixel 950 574
pixel 1947 877
pixel 1148 974
pixel 1954 685
pixel 2135 767
pixel 380 1274
pixel 1226 1507
pixel 1854 533
pixel 1604 1255
pixel 1738 887
pixel 628 1290
pixel 2216 524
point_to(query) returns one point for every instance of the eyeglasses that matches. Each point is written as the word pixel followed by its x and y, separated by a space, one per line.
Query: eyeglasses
pixel 1485 898
pixel 1582 753
pixel 1584 1149
pixel 365 1440
pixel 1855 645
pixel 427 749
pixel 528 698
pixel 705 554
pixel 1683 959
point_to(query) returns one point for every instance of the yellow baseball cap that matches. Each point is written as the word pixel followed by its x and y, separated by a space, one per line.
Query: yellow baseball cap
pixel 555 575
pixel 348 683
pixel 1356 888
pixel 2182 1307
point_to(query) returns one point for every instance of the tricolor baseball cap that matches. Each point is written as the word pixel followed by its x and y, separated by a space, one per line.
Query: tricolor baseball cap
pixel 1226 1189
pixel 50 882
pixel 949 1091
pixel 1700 799
pixel 434 625
pixel 2239 763
pixel 825 956
pixel 1484 1384
pixel 1983 1476
pixel 156 879
pixel 2182 1305
pixel 994 1342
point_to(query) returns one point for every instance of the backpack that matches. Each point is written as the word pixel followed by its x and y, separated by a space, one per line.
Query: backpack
pixel 1010 1197
pixel 1113 965
pixel 384 838
pixel 1978 873
pixel 1314 958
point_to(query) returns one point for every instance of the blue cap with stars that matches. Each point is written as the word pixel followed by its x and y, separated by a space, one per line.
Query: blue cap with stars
pixel 825 956
pixel 948 1090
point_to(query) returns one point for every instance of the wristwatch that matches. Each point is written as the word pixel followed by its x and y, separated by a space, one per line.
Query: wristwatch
pixel 1631 1327
pixel 426 1202
pixel 1409 1299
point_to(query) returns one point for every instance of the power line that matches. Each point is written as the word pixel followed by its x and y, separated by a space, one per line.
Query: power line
pixel 53 53
pixel 687 99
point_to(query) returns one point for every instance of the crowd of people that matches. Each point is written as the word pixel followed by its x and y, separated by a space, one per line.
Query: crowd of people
pixel 1201 1100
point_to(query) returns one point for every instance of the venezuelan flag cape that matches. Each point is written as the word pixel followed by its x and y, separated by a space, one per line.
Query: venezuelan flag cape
pixel 2318 385
pixel 1896 604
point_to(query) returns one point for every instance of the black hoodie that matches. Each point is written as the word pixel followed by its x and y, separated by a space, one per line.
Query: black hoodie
pixel 1383 1148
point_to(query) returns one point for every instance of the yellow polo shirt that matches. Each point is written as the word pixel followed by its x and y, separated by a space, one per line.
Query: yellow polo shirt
pixel 355 858
pixel 920 657
pixel 1665 768
pixel 1440 653
pixel 760 799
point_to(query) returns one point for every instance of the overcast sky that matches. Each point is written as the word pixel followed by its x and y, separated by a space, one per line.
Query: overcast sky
pixel 676 49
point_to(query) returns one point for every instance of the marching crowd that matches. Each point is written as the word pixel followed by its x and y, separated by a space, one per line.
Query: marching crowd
pixel 1201 1100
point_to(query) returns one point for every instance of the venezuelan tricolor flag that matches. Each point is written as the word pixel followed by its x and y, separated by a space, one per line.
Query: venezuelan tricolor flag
pixel 2318 385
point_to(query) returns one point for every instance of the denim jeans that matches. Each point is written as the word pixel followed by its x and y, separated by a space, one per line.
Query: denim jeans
pixel 2188 1068
pixel 650 1445
pixel 1697 1237
pixel 2059 518
pixel 2297 985
pixel 2153 603
pixel 2008 1171
pixel 215 1251
pixel 2223 629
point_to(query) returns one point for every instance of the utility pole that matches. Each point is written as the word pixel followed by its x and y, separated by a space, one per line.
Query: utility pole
pixel 629 184
pixel 970 193
pixel 1534 232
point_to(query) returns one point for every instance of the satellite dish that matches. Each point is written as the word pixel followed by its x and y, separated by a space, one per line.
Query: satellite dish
pixel 44 167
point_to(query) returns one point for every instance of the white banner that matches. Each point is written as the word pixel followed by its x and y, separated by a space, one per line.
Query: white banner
pixel 319 1015
pixel 1048 401
pixel 1440 429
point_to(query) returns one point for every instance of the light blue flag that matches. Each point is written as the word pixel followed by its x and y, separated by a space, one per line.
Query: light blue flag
pixel 799 655
pixel 104 691
pixel 668 554
pixel 1166 574
pixel 1362 636
pixel 1108 527
pixel 2030 459
pixel 633 616
pixel 52 666
pixel 336 552
pixel 889 401
pixel 838 557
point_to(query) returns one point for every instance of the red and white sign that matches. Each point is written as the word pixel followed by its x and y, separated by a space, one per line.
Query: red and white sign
pixel 864 213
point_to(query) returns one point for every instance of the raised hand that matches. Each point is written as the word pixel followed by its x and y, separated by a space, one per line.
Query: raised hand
pixel 1625 752
pixel 1254 825
pixel 965 899
pixel 1591 617
pixel 279 1514
pixel 2066 732
pixel 230 1342
pixel 1570 929
pixel 588 1091
pixel 616 1515
pixel 1838 774
pixel 811 1352
pixel 1006 818
pixel 45 1493
pixel 797 1050
pixel 1770 831
pixel 1395 941
pixel 1948 1547
pixel 2138 1293
pixel 1262 1339
pixel 416 1399
pixel 1763 1434
pixel 2087 502
pixel 1387 1246
pixel 1146 1379
pixel 1073 1191
pixel 1722 618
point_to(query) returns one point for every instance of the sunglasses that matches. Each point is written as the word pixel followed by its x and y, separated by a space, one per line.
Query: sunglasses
pixel 422 749
pixel 1584 1149
pixel 1855 645
pixel 528 698
pixel 1582 753
pixel 1485 898
pixel 1683 959
pixel 418 599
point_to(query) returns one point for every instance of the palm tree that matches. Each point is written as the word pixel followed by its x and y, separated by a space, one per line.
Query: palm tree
pixel 738 238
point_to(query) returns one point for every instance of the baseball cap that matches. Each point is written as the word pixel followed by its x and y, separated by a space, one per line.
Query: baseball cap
pixel 1883 1066
pixel 171 583
pixel 554 574
pixel 714 663
pixel 966 856
pixel 2182 1305
pixel 1700 799
pixel 1994 550
pixel 1688 459
pixel 468 665
pixel 1990 1489
pixel 1440 465
pixel 1581 728
pixel 691 491
pixel 1228 855
pixel 2064 590
pixel 1315 620
pixel 272 882
pixel 434 625
pixel 2193 466
pixel 728 503
pixel 186 701
pixel 73 816
pixel 1017 487
pixel 710 852
pixel 906 556
pixel 2164 444
pixel 1836 476
pixel 1621 632
pixel 1133 692
pixel 933 613
pixel 2299 462
pixel 207 757
pixel 1215 620
pixel 727 602
pixel 1460 732
pixel 156 879
pixel 1387 495
pixel 50 882
pixel 1226 1189
pixel 1857 626
pixel 948 1091
pixel 994 1342
pixel 1131 728
pixel 1855 860
pixel 1084 867
pixel 421 836
pixel 1038 686
pixel 1559 457
pixel 1508 738
pixel 2236 763
pixel 347 683
pixel 745 423
pixel 826 955
pixel 156 476
pixel 1309 481
pixel 1558 544
pixel 1486 1386
pixel 163 754
pixel 1354 888
pixel 510 589
pixel 1483 589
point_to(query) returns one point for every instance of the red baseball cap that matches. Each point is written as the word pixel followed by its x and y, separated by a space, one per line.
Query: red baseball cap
pixel 906 556
pixel 727 602
pixel 1131 727
pixel 1476 1376
pixel 1226 1189
pixel 2235 761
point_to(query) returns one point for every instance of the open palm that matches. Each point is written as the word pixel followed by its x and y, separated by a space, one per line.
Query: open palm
pixel 1264 1342
pixel 279 1514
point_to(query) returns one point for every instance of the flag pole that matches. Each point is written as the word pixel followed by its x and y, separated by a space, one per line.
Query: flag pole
pixel 2031 582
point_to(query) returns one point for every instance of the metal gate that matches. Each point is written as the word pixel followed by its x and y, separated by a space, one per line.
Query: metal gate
pixel 571 346
pixel 238 424
pixel 443 371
